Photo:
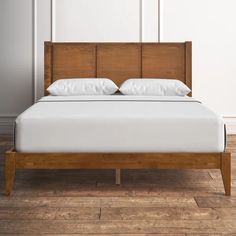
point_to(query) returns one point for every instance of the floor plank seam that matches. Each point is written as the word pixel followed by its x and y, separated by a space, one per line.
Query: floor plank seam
pixel 210 175
pixel 196 201
pixel 100 213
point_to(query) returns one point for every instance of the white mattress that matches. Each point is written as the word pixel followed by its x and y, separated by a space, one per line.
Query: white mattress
pixel 118 123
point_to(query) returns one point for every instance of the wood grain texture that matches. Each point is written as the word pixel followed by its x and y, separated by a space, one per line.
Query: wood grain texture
pixel 117 227
pixel 103 234
pixel 120 161
pixel 216 202
pixel 82 202
pixel 118 61
pixel 73 61
pixel 10 169
pixel 149 202
pixel 48 67
pixel 158 213
pixel 164 61
pixel 226 172
pixel 49 213
pixel 188 65
pixel 118 176
pixel 117 160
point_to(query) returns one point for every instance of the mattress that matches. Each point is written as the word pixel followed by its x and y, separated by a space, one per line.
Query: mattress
pixel 118 123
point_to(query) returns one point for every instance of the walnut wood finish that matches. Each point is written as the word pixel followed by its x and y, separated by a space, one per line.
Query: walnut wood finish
pixel 16 160
pixel 117 160
pixel 226 172
pixel 47 65
pixel 118 61
pixel 117 176
pixel 165 60
pixel 10 170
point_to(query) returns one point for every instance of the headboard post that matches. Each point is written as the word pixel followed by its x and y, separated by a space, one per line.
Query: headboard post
pixel 47 65
pixel 188 65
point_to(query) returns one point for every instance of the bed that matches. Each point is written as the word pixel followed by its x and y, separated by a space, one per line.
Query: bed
pixel 117 131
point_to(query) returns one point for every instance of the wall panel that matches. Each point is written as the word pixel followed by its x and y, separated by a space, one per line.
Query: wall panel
pixel 16 57
pixel 42 30
pixel 210 25
pixel 150 20
pixel 99 21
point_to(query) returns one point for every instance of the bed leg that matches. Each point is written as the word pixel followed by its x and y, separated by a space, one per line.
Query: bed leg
pixel 10 170
pixel 117 176
pixel 226 172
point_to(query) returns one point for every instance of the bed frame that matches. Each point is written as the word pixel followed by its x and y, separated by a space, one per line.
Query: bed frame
pixel 117 61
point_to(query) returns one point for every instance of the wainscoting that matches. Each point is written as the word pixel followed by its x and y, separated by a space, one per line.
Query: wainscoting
pixel 157 202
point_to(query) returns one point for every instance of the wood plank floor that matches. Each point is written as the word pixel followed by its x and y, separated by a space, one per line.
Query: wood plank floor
pixel 149 202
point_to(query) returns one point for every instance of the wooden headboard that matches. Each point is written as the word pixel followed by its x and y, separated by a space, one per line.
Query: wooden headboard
pixel 118 61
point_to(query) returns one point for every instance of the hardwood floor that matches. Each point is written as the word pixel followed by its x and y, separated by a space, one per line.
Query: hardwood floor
pixel 156 202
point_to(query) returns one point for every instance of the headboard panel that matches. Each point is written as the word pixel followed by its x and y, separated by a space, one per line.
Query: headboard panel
pixel 118 61
pixel 74 60
pixel 167 62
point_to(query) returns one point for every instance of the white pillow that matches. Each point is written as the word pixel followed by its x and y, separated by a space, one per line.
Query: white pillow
pixel 158 87
pixel 84 86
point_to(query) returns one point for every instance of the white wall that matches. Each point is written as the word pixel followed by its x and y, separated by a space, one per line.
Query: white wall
pixel 105 20
pixel 16 58
pixel 150 20
pixel 26 24
pixel 99 21
pixel 42 32
pixel 210 24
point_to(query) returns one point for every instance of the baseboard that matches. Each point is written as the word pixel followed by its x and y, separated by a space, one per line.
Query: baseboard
pixel 7 125
pixel 230 124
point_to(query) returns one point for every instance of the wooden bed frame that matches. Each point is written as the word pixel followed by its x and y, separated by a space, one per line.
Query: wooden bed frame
pixel 117 61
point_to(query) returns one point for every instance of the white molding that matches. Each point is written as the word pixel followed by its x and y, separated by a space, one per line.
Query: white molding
pixel 42 32
pixel 230 122
pixel 141 21
pixel 52 20
pixel 8 115
pixel 150 21
pixel 159 20
pixel 34 51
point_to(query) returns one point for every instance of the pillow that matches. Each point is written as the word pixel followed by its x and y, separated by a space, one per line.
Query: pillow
pixel 72 87
pixel 158 87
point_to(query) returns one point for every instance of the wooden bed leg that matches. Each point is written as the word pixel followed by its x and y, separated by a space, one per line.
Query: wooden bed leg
pixel 117 176
pixel 226 172
pixel 10 170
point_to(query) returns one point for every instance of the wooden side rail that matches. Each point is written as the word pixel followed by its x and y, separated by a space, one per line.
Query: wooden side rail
pixel 15 160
